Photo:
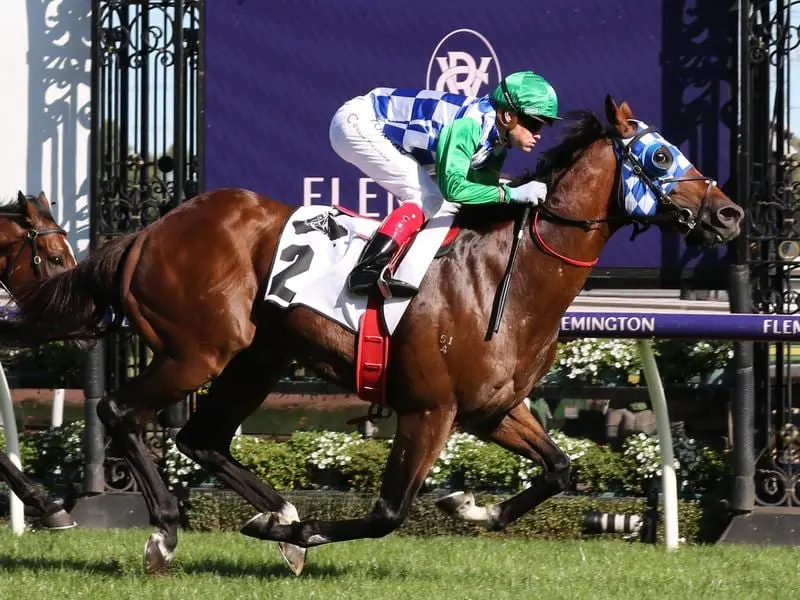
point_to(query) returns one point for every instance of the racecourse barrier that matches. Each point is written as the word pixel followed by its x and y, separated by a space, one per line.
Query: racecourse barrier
pixel 693 326
pixel 646 319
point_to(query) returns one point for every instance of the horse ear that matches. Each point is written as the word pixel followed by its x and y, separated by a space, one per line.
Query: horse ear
pixel 625 111
pixel 22 202
pixel 611 110
pixel 618 115
pixel 43 202
pixel 29 210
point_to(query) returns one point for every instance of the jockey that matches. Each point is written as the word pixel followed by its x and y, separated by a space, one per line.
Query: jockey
pixel 435 151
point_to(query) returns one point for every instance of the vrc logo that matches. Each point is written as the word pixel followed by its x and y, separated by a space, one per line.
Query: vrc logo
pixel 466 61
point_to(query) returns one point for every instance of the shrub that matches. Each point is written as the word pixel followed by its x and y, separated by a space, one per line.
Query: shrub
pixel 57 454
pixel 601 470
pixel 597 361
pixel 363 471
pixel 345 461
pixel 274 462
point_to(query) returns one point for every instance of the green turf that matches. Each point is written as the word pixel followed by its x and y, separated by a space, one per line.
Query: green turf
pixel 106 564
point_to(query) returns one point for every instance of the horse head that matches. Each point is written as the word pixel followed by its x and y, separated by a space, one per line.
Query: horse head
pixel 32 245
pixel 658 184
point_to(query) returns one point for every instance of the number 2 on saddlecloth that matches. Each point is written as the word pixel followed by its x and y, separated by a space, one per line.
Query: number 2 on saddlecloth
pixel 301 257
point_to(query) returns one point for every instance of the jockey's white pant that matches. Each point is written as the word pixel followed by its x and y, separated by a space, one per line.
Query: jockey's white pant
pixel 357 136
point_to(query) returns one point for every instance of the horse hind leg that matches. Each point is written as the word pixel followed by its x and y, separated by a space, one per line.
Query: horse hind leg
pixel 521 433
pixel 206 438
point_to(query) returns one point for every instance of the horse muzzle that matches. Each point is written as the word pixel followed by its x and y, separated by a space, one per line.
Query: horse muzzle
pixel 717 226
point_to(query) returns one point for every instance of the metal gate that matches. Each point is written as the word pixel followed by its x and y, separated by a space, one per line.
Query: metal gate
pixel 145 159
pixel 769 181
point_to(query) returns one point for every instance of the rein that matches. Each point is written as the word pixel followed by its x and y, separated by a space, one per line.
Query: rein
pixel 549 250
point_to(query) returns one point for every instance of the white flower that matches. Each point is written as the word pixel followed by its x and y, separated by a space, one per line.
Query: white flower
pixel 332 450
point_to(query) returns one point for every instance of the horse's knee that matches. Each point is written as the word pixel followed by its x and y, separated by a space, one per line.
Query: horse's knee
pixel 384 520
pixel 109 414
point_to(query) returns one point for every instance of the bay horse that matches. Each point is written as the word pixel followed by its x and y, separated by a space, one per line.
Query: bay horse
pixel 191 285
pixel 33 247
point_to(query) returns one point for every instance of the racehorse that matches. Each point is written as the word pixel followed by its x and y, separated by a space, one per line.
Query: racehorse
pixel 191 285
pixel 32 248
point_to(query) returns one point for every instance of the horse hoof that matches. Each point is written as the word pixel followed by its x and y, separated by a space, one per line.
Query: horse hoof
pixel 157 556
pixel 259 527
pixel 57 521
pixel 454 503
pixel 295 556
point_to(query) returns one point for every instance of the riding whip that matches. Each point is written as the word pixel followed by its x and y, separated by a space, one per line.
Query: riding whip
pixel 500 302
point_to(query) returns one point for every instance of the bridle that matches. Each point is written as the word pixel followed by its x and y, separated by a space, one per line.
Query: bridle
pixel 666 211
pixel 31 235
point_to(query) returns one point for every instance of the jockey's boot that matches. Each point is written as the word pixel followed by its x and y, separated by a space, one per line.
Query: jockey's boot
pixel 382 253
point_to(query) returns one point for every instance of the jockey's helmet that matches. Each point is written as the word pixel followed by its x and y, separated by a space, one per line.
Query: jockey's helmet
pixel 527 94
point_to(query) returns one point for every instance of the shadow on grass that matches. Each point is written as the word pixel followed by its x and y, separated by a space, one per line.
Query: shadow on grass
pixel 105 567
pixel 227 568
pixel 115 567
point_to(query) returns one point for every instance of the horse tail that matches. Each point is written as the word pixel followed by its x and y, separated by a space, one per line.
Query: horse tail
pixel 72 304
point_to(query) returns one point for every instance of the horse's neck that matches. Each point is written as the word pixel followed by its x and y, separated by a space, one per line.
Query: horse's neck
pixel 584 192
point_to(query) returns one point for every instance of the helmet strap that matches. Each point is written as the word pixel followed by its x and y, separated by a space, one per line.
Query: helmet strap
pixel 509 99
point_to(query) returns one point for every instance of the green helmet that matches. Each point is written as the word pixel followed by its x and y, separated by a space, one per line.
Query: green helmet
pixel 527 93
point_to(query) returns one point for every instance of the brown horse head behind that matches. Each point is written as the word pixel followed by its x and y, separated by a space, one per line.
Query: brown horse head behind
pixel 32 245
pixel 191 285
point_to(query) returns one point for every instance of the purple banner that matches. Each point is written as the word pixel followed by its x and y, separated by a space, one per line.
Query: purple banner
pixel 275 73
pixel 692 326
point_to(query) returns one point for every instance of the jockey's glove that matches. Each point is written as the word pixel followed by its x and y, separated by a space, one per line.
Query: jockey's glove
pixel 532 192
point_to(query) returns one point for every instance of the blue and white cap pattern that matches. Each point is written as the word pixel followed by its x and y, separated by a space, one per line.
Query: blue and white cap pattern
pixel 640 200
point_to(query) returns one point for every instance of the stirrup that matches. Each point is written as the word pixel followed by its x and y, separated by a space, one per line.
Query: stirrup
pixel 385 282
pixel 374 412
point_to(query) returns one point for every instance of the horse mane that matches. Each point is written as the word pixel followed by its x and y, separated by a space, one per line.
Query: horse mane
pixel 75 301
pixel 581 129
pixel 11 205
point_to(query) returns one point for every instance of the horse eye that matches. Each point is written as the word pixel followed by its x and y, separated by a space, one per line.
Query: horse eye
pixel 57 260
pixel 662 157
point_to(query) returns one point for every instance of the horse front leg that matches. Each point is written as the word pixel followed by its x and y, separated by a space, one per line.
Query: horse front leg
pixel 164 381
pixel 521 433
pixel 417 444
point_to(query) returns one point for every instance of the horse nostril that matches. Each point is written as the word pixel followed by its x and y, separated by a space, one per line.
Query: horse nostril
pixel 730 214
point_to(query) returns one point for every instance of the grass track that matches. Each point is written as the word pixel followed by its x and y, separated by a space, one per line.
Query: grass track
pixel 107 565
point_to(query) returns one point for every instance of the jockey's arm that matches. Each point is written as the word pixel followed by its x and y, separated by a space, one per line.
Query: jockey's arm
pixel 457 143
